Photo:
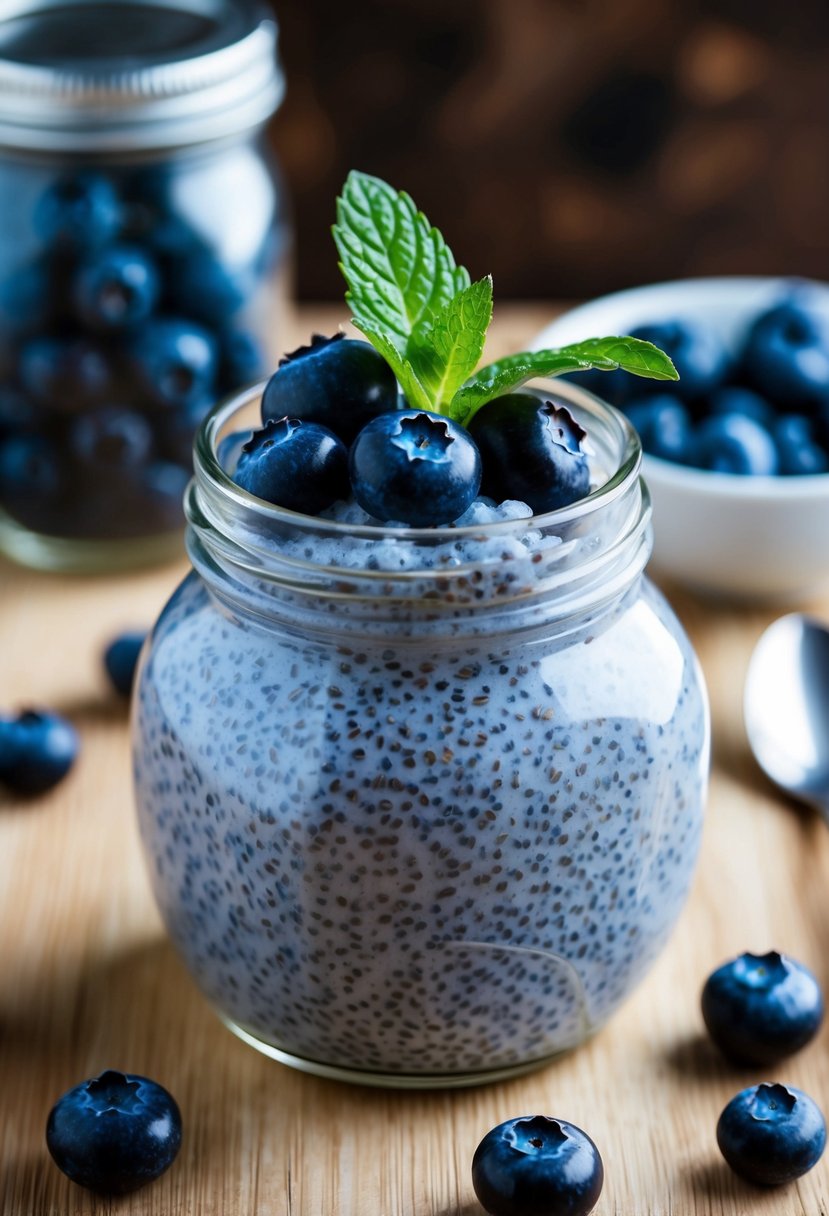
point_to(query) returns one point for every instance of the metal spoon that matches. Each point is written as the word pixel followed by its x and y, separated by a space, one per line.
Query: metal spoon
pixel 786 708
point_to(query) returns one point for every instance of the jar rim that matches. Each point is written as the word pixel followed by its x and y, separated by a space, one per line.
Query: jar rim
pixel 211 73
pixel 209 471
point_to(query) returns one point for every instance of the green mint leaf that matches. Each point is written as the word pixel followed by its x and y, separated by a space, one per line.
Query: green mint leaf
pixel 605 354
pixel 413 390
pixel 446 352
pixel 399 270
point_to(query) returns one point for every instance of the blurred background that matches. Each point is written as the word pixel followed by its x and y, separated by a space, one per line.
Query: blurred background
pixel 568 147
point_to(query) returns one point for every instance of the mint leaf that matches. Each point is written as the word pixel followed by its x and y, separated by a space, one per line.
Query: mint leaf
pixel 605 354
pixel 444 353
pixel 399 270
pixel 407 377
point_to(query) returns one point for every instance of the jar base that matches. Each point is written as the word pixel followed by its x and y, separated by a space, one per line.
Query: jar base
pixel 383 1080
pixel 67 555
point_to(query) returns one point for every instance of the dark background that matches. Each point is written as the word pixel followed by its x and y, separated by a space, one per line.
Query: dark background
pixel 568 147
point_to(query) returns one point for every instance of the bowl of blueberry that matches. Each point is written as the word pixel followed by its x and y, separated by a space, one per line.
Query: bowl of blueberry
pixel 737 451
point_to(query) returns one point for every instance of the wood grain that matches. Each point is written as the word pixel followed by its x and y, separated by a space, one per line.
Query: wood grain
pixel 88 980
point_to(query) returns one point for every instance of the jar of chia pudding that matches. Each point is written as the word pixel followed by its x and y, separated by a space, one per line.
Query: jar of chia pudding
pixel 142 261
pixel 420 807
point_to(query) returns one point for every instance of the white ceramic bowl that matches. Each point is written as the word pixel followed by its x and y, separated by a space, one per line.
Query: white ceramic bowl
pixel 757 538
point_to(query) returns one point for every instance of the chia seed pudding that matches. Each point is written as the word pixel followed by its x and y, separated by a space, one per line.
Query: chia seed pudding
pixel 420 810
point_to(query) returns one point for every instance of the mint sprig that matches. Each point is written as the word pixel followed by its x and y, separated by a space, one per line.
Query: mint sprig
pixel 420 310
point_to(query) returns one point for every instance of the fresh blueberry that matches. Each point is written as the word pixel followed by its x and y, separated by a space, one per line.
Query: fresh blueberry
pixel 696 351
pixel 16 411
pixel 30 465
pixel 113 438
pixel 340 383
pixel 414 467
pixel 159 493
pixel 176 361
pixel 121 660
pixel 37 750
pixel 66 374
pixel 798 449
pixel 80 211
pixel 771 1134
pixel 760 1008
pixel 204 288
pixel 732 443
pixel 176 430
pixel 734 399
pixel 531 448
pixel 242 360
pixel 786 354
pixel 301 466
pixel 116 289
pixel 114 1133
pixel 664 426
pixel 27 297
pixel 536 1166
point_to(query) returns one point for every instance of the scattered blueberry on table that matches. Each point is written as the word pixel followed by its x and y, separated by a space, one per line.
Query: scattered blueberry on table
pixel 37 750
pixel 114 1133
pixel 762 410
pixel 537 1166
pixel 760 1008
pixel 771 1134
pixel 121 659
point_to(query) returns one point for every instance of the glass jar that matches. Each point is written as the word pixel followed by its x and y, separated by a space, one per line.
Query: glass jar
pixel 143 244
pixel 420 807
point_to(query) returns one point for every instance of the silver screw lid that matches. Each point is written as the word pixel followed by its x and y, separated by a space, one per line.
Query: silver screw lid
pixel 131 75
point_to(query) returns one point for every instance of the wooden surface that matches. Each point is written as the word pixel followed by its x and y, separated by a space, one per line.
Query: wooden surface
pixel 88 980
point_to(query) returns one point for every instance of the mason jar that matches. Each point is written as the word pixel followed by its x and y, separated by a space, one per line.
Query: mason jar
pixel 143 241
pixel 420 807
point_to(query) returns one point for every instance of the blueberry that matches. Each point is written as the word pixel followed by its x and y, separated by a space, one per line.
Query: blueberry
pixel 414 467
pixel 159 494
pixel 760 1008
pixel 771 1134
pixel 664 426
pixel 176 430
pixel 66 374
pixel 301 466
pixel 30 466
pixel 113 438
pixel 116 289
pixel 242 360
pixel 27 297
pixel 531 450
pixel 77 212
pixel 16 411
pixel 786 353
pixel 696 351
pixel 798 449
pixel 734 399
pixel 114 1133
pixel 732 443
pixel 340 383
pixel 121 660
pixel 207 290
pixel 176 361
pixel 536 1166
pixel 37 750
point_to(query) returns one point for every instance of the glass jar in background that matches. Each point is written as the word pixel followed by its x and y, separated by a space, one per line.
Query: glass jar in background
pixel 143 253
pixel 419 807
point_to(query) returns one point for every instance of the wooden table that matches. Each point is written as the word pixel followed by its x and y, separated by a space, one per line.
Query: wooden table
pixel 88 980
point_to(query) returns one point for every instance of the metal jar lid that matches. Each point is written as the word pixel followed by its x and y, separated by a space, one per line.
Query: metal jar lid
pixel 132 75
